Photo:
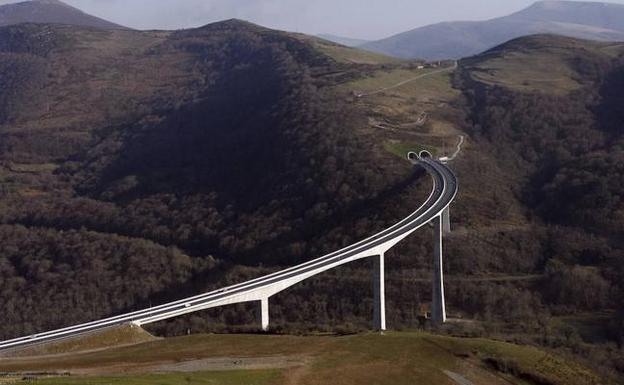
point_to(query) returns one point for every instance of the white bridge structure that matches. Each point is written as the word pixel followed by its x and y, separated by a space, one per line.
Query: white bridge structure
pixel 434 210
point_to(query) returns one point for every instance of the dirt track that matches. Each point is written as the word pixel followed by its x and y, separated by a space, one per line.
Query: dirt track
pixel 209 364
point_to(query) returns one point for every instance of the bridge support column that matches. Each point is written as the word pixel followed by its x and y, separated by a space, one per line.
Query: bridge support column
pixel 446 220
pixel 264 314
pixel 379 299
pixel 438 307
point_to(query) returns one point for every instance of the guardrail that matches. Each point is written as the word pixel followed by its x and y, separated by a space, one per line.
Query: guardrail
pixel 435 209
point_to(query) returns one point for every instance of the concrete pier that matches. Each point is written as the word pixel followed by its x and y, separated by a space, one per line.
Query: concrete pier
pixel 438 307
pixel 379 298
pixel 264 314
pixel 261 289
pixel 446 220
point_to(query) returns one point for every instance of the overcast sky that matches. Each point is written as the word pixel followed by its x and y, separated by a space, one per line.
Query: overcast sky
pixel 367 19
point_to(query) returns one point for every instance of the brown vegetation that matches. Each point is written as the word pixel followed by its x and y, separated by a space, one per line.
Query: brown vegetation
pixel 139 167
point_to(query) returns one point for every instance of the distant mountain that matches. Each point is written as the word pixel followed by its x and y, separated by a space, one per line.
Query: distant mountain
pixel 451 40
pixel 52 12
pixel 205 157
pixel 346 41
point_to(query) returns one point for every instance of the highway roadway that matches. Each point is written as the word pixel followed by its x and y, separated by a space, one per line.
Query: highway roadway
pixel 443 192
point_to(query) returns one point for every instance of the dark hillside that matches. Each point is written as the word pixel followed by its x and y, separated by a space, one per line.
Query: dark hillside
pixel 226 141
pixel 551 140
pixel 560 143
pixel 138 167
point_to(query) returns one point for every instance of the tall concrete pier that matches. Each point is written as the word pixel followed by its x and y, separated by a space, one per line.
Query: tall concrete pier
pixel 438 307
pixel 258 290
pixel 379 297
pixel 446 220
pixel 264 314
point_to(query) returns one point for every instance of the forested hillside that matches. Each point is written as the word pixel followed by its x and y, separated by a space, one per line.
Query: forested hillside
pixel 140 167
pixel 219 146
pixel 547 110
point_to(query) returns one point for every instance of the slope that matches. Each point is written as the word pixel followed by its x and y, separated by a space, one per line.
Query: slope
pixel 551 131
pixel 200 158
pixel 50 11
pixel 209 148
pixel 346 41
pixel 394 358
pixel 448 40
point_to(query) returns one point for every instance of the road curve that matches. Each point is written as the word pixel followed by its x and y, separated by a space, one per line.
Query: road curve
pixel 444 190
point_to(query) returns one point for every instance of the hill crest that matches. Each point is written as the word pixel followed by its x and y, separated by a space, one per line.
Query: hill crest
pixel 452 40
pixel 50 12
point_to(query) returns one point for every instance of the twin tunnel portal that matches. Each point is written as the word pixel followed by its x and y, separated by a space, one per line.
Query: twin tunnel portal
pixel 434 210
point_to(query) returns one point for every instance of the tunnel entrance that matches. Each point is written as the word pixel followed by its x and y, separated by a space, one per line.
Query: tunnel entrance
pixel 424 154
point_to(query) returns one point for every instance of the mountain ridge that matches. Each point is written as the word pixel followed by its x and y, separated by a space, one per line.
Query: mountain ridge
pixel 202 158
pixel 50 12
pixel 344 40
pixel 453 40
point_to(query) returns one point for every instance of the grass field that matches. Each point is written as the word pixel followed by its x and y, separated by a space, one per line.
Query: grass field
pixel 124 335
pixel 386 78
pixel 344 54
pixel 528 72
pixel 234 377
pixel 544 64
pixel 401 149
pixel 417 114
pixel 353 55
pixel 393 359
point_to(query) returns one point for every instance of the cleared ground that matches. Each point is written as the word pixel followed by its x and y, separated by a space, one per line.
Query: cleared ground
pixel 408 108
pixel 541 66
pixel 344 54
pixel 125 335
pixel 395 358
pixel 252 377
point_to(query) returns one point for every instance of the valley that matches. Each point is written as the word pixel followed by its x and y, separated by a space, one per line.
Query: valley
pixel 202 158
